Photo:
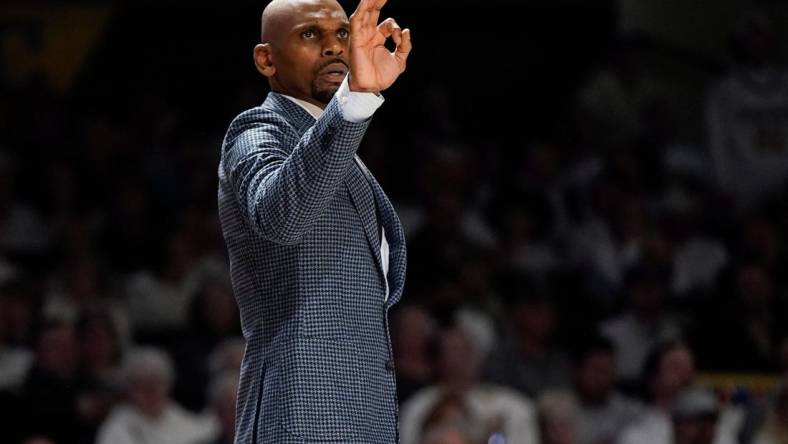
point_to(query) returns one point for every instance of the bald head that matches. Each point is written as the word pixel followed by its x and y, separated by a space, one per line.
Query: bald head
pixel 279 16
pixel 304 49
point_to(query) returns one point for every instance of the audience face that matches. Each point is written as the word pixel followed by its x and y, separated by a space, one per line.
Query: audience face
pixel 755 288
pixel 647 298
pixel 16 316
pixel 695 430
pixel 457 360
pixel 150 394
pixel 596 376
pixel 82 281
pixel 219 308
pixel 149 377
pixel 56 352
pixel 411 331
pixel 98 345
pixel 557 418
pixel 39 440
pixel 675 373
pixel 535 321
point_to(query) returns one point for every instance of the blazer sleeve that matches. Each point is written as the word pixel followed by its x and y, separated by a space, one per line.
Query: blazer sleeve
pixel 282 190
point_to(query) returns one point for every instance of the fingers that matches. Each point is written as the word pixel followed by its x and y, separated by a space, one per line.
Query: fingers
pixel 374 14
pixel 390 28
pixel 367 13
pixel 404 48
pixel 360 17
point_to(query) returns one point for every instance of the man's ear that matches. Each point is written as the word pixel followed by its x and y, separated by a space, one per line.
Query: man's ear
pixel 262 59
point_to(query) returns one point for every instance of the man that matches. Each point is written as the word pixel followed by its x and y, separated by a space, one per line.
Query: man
pixel 317 252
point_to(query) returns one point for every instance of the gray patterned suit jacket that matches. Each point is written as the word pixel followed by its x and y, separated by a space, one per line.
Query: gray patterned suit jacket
pixel 301 220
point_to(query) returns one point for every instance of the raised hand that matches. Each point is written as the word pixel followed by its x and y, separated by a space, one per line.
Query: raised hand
pixel 373 67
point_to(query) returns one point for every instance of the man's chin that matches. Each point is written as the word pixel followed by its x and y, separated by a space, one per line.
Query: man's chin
pixel 324 95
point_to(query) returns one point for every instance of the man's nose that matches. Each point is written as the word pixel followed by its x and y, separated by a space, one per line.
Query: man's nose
pixel 333 47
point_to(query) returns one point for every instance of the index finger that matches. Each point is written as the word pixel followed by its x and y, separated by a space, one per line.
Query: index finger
pixel 374 14
pixel 360 16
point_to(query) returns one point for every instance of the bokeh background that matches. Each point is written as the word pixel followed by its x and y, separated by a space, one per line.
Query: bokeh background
pixel 593 194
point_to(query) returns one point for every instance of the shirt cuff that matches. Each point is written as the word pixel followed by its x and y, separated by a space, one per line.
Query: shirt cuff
pixel 357 106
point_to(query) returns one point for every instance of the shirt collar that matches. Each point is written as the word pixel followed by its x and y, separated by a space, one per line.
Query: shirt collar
pixel 313 110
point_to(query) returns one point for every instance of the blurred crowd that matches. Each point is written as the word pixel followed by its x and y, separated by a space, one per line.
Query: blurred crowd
pixel 566 288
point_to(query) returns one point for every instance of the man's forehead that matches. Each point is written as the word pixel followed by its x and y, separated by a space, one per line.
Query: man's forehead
pixel 299 10
pixel 287 14
pixel 318 14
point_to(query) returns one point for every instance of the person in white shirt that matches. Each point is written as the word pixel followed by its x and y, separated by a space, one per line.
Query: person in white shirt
pixel 492 411
pixel 149 415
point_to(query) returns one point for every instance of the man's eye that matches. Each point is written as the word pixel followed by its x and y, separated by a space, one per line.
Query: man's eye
pixel 343 33
pixel 308 34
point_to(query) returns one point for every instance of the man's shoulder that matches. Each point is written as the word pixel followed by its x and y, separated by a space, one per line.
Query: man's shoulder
pixel 266 117
pixel 267 113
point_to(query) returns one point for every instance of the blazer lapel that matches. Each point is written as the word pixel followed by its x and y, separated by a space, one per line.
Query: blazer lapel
pixel 394 235
pixel 360 192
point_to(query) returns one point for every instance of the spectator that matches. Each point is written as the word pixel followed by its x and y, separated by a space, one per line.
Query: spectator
pixel 223 393
pixel 747 130
pixel 158 300
pixel 527 359
pixel 669 369
pixel 774 430
pixel 696 419
pixel 50 389
pixel 557 417
pixel 495 409
pixel 748 329
pixel 602 412
pixel 15 358
pixel 646 321
pixel 149 415
pixel 213 320
pixel 100 354
pixel 412 329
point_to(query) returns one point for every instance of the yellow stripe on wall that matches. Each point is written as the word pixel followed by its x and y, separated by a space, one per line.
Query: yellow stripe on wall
pixel 68 35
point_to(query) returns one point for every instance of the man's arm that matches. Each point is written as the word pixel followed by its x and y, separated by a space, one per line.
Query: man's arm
pixel 282 191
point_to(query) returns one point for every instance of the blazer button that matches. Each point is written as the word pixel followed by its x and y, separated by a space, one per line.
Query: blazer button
pixel 390 366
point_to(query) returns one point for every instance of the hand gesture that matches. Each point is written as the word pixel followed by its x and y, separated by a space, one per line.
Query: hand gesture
pixel 374 68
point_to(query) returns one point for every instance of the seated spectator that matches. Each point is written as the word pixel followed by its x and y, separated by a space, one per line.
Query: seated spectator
pixel 492 409
pixel 602 411
pixel 212 321
pixel 449 422
pixel 646 321
pixel 558 417
pixel 744 336
pixel 746 126
pixel 527 359
pixel 668 370
pixel 222 394
pixel 100 354
pixel 411 331
pixel 50 389
pixel 15 359
pixel 696 419
pixel 158 300
pixel 774 430
pixel 149 415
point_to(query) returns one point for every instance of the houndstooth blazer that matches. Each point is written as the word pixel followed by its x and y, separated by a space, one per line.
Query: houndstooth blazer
pixel 301 220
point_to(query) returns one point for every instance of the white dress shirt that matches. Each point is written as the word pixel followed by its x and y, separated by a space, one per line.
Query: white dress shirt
pixel 356 107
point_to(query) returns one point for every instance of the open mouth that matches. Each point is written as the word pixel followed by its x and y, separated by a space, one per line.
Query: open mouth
pixel 334 71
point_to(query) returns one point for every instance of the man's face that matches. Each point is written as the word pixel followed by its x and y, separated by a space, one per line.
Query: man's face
pixel 309 50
